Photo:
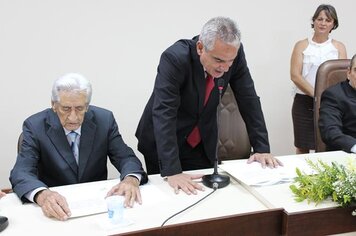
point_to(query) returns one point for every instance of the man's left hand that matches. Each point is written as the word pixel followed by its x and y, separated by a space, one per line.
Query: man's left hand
pixel 129 188
pixel 266 159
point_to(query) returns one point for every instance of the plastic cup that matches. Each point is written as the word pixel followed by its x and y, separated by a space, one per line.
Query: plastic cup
pixel 115 206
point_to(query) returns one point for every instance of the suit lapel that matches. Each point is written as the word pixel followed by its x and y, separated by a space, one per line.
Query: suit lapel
pixel 349 90
pixel 57 136
pixel 200 83
pixel 86 142
pixel 198 77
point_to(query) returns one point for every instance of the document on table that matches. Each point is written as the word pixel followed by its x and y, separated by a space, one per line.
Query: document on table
pixel 89 198
pixel 254 175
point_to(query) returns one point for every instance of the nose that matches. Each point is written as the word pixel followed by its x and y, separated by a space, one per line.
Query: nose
pixel 225 66
pixel 73 115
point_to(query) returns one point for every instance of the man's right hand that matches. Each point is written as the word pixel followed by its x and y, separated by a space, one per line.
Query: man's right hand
pixel 2 194
pixel 185 182
pixel 53 204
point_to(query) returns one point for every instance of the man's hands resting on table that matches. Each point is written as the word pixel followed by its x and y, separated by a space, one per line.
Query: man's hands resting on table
pixel 266 160
pixel 186 182
pixel 54 205
pixel 129 187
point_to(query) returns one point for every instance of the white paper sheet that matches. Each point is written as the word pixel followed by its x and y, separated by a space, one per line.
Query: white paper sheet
pixel 254 175
pixel 89 198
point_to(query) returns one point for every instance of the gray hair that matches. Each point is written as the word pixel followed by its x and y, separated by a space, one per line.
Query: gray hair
pixel 71 82
pixel 222 28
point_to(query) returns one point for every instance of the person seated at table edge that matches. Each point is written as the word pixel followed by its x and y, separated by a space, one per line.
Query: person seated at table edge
pixel 337 116
pixel 49 157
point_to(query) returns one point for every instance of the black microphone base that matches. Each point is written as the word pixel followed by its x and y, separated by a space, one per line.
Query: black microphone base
pixel 4 222
pixel 216 181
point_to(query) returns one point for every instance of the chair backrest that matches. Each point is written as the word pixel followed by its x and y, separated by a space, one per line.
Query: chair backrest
pixel 19 142
pixel 233 138
pixel 329 73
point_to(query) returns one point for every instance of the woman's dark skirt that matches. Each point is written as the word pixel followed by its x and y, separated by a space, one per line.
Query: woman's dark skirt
pixel 303 122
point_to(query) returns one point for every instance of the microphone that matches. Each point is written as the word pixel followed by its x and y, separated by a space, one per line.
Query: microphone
pixel 216 180
pixel 4 222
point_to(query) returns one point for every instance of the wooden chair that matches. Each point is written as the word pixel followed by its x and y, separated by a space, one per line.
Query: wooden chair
pixel 329 73
pixel 19 143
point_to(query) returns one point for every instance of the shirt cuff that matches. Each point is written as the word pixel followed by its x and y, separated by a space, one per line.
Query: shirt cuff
pixel 30 195
pixel 138 176
pixel 353 149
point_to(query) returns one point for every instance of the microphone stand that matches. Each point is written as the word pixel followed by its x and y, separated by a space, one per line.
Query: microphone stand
pixel 216 180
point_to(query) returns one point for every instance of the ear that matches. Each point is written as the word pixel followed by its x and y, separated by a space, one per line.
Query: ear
pixel 53 106
pixel 348 73
pixel 200 47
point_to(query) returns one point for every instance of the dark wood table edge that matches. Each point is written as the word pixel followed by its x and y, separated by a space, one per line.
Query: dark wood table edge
pixel 333 220
pixel 266 222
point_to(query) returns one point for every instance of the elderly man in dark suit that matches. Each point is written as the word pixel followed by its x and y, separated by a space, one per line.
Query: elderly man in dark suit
pixel 178 128
pixel 337 117
pixel 70 143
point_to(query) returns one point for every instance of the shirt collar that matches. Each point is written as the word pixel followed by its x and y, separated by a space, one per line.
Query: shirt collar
pixel 78 131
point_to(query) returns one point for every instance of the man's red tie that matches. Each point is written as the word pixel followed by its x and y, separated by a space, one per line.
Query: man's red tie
pixel 194 136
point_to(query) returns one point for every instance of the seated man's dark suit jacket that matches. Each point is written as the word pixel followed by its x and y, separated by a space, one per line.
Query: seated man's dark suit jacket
pixel 46 159
pixel 176 107
pixel 337 117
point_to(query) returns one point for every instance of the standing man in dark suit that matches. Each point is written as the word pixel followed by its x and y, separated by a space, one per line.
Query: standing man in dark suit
pixel 69 144
pixel 337 116
pixel 178 128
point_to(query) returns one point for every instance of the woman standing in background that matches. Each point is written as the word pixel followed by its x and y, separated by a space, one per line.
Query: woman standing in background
pixel 307 55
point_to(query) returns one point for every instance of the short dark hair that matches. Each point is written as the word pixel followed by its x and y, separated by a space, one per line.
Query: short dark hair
pixel 353 59
pixel 330 13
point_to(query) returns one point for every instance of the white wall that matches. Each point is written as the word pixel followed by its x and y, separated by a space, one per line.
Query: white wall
pixel 117 45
